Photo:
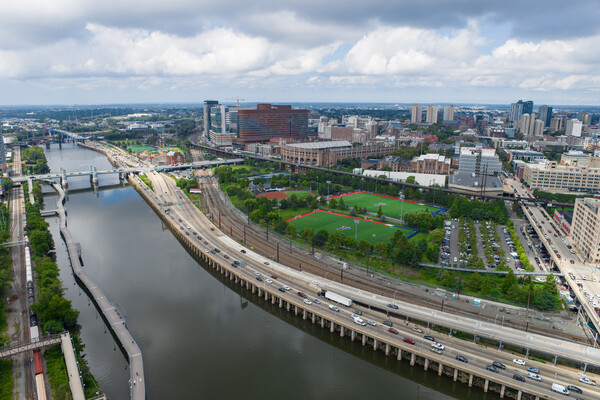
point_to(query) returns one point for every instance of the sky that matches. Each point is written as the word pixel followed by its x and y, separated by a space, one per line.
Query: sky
pixel 422 51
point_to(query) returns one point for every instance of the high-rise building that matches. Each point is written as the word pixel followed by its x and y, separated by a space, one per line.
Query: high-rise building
pixel 545 113
pixel 479 161
pixel 449 113
pixel 271 121
pixel 208 105
pixel 585 228
pixel 519 108
pixel 574 127
pixel 538 128
pixel 556 124
pixel 432 114
pixel 416 114
pixel 524 124
pixel 2 152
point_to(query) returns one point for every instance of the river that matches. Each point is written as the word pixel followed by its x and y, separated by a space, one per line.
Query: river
pixel 201 337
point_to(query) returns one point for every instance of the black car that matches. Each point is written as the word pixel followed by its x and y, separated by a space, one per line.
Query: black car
pixel 519 378
pixel 388 323
pixel 243 251
pixel 427 337
pixel 282 290
pixel 462 359
pixel 574 389
pixel 234 265
pixel 395 307
pixel 258 278
pixel 498 364
pixel 492 368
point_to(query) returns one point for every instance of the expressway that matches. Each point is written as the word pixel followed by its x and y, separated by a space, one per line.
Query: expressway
pixel 197 227
pixel 582 278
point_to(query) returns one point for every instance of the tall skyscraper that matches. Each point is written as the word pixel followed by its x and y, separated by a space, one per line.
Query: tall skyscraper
pixel 449 113
pixel 524 124
pixel 545 114
pixel 416 114
pixel 268 121
pixel 519 108
pixel 574 127
pixel 432 114
pixel 208 105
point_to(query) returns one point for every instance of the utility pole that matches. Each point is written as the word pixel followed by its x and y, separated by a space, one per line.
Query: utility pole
pixel 267 231
pixel 245 243
pixel 277 251
pixel 527 312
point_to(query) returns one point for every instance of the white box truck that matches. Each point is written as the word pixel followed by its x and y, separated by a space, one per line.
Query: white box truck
pixel 560 389
pixel 338 298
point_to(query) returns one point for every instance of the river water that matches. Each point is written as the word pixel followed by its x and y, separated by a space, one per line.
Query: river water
pixel 203 338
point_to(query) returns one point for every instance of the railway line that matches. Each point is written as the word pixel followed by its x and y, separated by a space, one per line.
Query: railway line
pixel 235 224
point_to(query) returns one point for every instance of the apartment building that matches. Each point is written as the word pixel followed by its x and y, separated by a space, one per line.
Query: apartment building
pixel 479 161
pixel 586 228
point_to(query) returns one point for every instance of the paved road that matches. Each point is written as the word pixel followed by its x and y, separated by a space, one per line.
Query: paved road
pixel 478 356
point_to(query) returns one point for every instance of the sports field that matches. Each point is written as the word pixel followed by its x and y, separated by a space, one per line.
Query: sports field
pixel 284 194
pixel 140 148
pixel 390 206
pixel 370 231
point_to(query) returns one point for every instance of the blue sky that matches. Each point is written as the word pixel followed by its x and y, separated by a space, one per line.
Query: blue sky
pixel 120 51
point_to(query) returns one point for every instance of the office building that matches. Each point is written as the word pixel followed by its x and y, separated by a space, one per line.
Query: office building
pixel 271 121
pixel 416 114
pixel 555 177
pixel 432 114
pixel 328 153
pixel 208 105
pixel 519 108
pixel 432 163
pixel 449 113
pixel 574 127
pixel 585 228
pixel 545 113
pixel 479 161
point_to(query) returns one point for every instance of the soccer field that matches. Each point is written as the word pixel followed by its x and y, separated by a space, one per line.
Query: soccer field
pixel 372 232
pixel 389 206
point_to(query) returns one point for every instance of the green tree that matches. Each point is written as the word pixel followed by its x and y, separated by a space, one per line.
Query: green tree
pixel 379 212
pixel 321 237
pixel 290 231
pixel 307 234
pixel 363 247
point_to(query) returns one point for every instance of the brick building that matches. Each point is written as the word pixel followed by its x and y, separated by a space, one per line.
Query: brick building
pixel 328 153
pixel 174 157
pixel 431 164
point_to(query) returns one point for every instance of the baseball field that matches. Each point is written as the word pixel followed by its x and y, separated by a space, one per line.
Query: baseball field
pixel 390 206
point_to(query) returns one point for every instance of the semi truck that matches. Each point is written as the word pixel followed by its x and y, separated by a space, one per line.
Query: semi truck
pixel 336 297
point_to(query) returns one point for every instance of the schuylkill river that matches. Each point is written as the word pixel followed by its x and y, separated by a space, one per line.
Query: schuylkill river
pixel 202 338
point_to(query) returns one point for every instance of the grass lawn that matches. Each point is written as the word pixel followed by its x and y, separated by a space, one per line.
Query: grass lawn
pixel 372 232
pixel 389 206
pixel 284 194
pixel 140 148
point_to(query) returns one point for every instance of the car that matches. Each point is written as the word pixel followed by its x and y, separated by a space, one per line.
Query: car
pixel 533 370
pixel 307 301
pixel 534 377
pixel 438 345
pixel 418 330
pixel 355 315
pixel 427 337
pixel 226 256
pixel 268 280
pixel 282 290
pixel 388 323
pixel 257 273
pixel 194 233
pixel 587 381
pixel 518 361
pixel 243 251
pixel 212 229
pixel 273 276
pixel 359 321
pixel 315 282
pixel 187 234
pixel 258 278
pixel 371 322
pixel 334 308
pixel 583 277
pixel 286 287
pixel 392 330
pixel 438 351
pixel 301 295
pixel 574 389
pixel 462 359
pixel 572 262
pixel 395 307
pixel 492 368
pixel 205 242
pixel 409 340
pixel 498 364
pixel 266 263
pixel 519 378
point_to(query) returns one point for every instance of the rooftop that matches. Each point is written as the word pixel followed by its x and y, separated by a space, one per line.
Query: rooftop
pixel 322 145
pixel 474 181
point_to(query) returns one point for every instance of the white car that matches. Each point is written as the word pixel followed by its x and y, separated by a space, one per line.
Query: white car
pixel 268 281
pixel 371 322
pixel 534 377
pixel 315 282
pixel 334 308
pixel 286 287
pixel 583 277
pixel 518 361
pixel 307 301
pixel 587 381
pixel 437 345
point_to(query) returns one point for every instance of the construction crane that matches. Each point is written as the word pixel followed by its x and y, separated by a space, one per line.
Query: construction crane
pixel 237 99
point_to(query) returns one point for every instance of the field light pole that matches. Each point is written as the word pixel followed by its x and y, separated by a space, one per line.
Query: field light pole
pixel 356 230
pixel 401 196
pixel 328 182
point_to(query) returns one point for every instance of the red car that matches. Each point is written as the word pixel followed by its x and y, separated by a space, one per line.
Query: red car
pixel 409 340
pixel 392 330
pixel 273 276
pixel 301 294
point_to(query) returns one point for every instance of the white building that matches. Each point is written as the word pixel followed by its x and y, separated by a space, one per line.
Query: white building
pixel 585 228
pixel 416 114
pixel 449 113
pixel 574 127
pixel 479 161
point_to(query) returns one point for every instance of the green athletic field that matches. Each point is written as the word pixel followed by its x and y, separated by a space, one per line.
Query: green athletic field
pixel 140 148
pixel 369 231
pixel 390 207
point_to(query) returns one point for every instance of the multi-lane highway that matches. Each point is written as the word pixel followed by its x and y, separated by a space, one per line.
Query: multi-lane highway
pixel 196 226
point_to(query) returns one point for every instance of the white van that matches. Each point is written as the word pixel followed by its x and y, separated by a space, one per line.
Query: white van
pixel 560 389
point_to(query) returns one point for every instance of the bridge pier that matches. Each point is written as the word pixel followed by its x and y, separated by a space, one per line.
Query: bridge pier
pixel 399 355
pixel 322 322
pixel 485 385
pixel 519 394
pixel 413 358
pixel 470 380
pixel 440 369
pixel 375 344
pixel 426 366
pixel 342 330
pixel 502 389
pixel 332 327
pixel 387 349
pixel 555 359
pixel 314 318
pixel 352 335
pixel 288 307
pixel 304 314
pixel 455 377
pixel 364 339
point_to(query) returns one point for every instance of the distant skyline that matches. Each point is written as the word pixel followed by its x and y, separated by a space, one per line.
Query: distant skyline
pixel 428 51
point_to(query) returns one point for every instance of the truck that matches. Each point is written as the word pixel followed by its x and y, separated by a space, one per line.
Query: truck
pixel 338 298
pixel 560 389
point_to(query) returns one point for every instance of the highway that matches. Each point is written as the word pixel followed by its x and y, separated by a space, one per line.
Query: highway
pixel 582 278
pixel 195 225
